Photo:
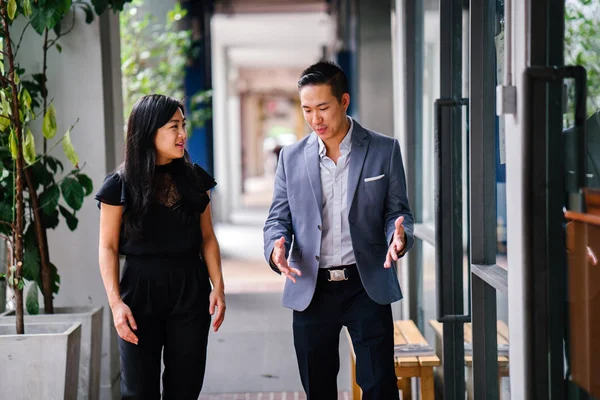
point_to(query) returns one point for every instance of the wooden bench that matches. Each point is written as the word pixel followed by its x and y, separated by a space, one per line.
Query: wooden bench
pixel 502 338
pixel 406 367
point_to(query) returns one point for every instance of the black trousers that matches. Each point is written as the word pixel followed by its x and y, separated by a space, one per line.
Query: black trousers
pixel 317 332
pixel 169 301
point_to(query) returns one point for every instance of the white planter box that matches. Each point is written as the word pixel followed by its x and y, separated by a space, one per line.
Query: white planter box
pixel 41 364
pixel 91 342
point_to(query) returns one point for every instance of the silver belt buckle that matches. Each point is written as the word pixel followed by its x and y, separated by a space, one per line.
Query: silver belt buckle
pixel 337 275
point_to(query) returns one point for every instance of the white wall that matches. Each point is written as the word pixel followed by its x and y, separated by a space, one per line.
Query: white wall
pixel 76 83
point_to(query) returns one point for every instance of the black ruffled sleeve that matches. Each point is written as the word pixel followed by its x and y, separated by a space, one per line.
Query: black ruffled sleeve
pixel 206 181
pixel 112 191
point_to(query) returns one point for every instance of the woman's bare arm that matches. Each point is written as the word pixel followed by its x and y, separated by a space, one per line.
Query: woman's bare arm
pixel 212 255
pixel 108 258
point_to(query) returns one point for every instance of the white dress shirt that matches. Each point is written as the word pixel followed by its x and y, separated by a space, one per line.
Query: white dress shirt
pixel 336 243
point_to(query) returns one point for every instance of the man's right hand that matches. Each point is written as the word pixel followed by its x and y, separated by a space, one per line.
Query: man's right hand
pixel 278 258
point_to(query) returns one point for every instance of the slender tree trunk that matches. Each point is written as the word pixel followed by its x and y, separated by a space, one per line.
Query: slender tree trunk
pixel 40 230
pixel 19 223
pixel 42 241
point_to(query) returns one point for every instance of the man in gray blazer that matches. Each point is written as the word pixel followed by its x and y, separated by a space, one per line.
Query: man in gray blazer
pixel 341 213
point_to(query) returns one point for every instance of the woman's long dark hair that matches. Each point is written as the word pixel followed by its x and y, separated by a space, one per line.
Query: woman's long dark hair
pixel 148 115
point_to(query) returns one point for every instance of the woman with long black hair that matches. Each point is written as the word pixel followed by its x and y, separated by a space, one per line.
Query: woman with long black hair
pixel 155 210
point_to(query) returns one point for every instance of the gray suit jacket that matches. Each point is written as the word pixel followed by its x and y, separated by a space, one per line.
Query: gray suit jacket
pixel 373 207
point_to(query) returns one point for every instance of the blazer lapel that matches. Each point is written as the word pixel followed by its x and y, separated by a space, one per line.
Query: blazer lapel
pixel 313 169
pixel 360 145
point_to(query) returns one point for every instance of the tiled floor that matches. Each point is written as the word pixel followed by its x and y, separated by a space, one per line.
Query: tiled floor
pixel 264 396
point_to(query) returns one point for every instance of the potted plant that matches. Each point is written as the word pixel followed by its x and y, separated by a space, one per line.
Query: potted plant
pixel 36 189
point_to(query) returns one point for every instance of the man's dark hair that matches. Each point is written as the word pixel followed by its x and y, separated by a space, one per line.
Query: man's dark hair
pixel 325 73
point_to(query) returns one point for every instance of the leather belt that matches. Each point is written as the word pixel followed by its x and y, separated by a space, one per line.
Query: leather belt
pixel 339 273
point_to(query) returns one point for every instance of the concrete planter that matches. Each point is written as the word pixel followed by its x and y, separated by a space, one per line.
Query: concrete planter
pixel 91 342
pixel 42 364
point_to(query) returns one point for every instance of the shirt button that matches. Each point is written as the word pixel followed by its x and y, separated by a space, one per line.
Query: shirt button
pixel 317 258
pixel 319 227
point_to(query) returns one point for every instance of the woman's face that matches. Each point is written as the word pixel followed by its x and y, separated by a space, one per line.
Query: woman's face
pixel 170 139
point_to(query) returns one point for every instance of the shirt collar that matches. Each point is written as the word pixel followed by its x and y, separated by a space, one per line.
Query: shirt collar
pixel 346 144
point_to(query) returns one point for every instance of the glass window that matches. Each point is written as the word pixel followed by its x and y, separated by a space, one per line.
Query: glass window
pixel 582 47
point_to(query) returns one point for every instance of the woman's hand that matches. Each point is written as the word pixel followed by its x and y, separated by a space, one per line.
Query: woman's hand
pixel 124 322
pixel 217 299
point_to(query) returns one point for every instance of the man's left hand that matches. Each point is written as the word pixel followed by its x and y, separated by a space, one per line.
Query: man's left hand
pixel 397 244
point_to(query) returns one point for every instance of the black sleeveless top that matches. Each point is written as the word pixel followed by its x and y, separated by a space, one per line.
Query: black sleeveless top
pixel 168 231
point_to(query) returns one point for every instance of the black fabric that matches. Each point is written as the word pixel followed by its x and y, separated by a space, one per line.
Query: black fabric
pixel 165 282
pixel 169 301
pixel 169 231
pixel 316 339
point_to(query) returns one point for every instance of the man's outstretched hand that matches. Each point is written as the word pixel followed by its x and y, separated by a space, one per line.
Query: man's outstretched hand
pixel 278 258
pixel 397 244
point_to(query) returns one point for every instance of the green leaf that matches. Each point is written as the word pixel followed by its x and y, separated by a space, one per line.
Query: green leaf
pixel 26 99
pixel 6 107
pixel 100 6
pixel 21 284
pixel 86 182
pixel 26 7
pixel 32 303
pixel 31 255
pixel 49 199
pixel 54 164
pixel 50 221
pixel 72 192
pixel 49 126
pixel 70 218
pixel 89 12
pixel 6 212
pixel 70 150
pixel 59 48
pixel 48 14
pixel 11 8
pixel 57 29
pixel 4 122
pixel 12 144
pixel 41 175
pixel 29 147
pixel 51 163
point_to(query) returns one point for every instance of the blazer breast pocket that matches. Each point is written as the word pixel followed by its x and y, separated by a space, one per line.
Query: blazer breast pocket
pixel 374 178
pixel 375 189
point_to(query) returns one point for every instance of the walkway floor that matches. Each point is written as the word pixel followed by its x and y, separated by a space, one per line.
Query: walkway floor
pixel 265 396
pixel 252 356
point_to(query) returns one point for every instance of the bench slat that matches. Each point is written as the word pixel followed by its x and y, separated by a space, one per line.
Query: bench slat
pixel 398 335
pixel 430 361
pixel 411 332
pixel 502 330
pixel 399 338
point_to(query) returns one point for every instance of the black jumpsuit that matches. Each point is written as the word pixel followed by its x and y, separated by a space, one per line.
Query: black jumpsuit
pixel 165 283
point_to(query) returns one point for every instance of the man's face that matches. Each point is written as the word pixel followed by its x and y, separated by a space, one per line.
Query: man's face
pixel 323 112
